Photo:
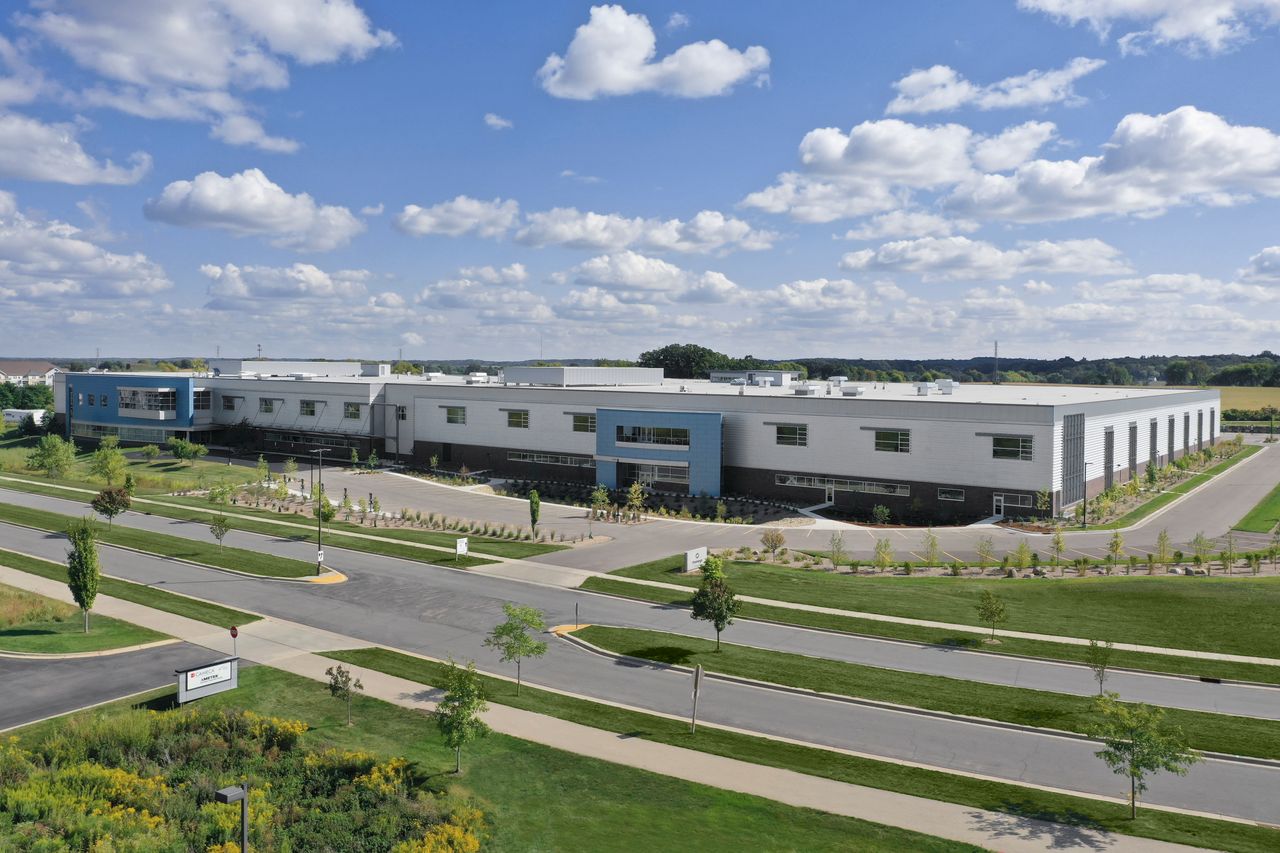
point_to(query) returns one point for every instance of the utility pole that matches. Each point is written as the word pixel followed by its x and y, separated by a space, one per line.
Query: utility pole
pixel 259 352
pixel 320 501
pixel 996 378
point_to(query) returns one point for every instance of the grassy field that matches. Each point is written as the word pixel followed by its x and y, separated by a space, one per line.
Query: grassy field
pixel 1264 517
pixel 33 623
pixel 541 799
pixel 213 614
pixel 166 474
pixel 207 553
pixel 1038 708
pixel 1205 614
pixel 931 784
pixel 1248 398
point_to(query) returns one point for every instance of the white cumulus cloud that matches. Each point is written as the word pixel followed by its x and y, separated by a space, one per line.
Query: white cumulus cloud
pixel 462 215
pixel 1263 267
pixel 248 203
pixel 632 277
pixel 1198 26
pixel 34 151
pixel 941 88
pixel 708 231
pixel 614 54
pixel 941 258
pixel 497 122
pixel 230 283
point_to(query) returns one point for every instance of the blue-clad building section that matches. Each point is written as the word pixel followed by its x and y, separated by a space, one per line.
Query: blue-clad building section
pixel 659 448
pixel 137 408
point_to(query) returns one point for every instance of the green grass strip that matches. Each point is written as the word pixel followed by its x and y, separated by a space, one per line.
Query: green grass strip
pixel 1037 708
pixel 1264 517
pixel 1043 649
pixel 162 544
pixel 931 784
pixel 60 627
pixel 212 614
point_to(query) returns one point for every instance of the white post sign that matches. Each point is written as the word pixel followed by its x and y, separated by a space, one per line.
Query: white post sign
pixel 460 547
pixel 694 559
pixel 201 681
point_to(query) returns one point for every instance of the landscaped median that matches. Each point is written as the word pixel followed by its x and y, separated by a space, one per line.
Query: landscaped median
pixel 814 761
pixel 164 545
pixel 1036 708
pixel 533 797
pixel 34 624
pixel 1174 664
pixel 192 608
pixel 1264 517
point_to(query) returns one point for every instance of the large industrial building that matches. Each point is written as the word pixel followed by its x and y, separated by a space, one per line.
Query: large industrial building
pixel 936 451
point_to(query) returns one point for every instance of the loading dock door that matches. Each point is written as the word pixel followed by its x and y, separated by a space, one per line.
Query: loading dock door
pixel 1072 459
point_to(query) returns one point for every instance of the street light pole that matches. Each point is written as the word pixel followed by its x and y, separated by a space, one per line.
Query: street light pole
pixel 1085 498
pixel 238 793
pixel 320 501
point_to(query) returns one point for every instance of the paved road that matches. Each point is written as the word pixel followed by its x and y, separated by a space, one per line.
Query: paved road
pixel 35 689
pixel 446 613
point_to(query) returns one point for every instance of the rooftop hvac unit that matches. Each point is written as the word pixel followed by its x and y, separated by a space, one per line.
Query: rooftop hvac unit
pixel 477 378
pixel 838 380
pixel 923 388
pixel 806 390
pixel 763 381
pixel 947 386
pixel 853 390
pixel 684 388
pixel 431 377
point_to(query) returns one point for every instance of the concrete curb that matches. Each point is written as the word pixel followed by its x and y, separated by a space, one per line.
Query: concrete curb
pixel 101 653
pixel 885 706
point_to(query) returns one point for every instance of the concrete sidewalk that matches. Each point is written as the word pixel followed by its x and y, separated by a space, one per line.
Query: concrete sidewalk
pixel 293 648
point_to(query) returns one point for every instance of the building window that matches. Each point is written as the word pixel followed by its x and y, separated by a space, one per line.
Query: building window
pixel 402 413
pixel 951 494
pixel 202 401
pixel 551 459
pixel 307 408
pixel 674 436
pixel 266 405
pixel 1015 500
pixel 1011 447
pixel 141 399
pixel 792 435
pixel 584 423
pixel 91 403
pixel 518 419
pixel 893 441
pixel 351 411
pixel 229 403
pixel 806 481
pixel 455 414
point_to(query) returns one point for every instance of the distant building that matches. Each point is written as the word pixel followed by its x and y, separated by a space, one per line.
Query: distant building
pixel 937 451
pixel 22 372
pixel 17 416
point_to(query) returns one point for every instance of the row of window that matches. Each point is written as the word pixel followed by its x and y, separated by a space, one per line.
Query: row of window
pixel 151 435
pixel 306 408
pixel 806 481
pixel 139 399
pixel 899 441
pixel 516 418
pixel 272 439
pixel 670 436
pixel 551 459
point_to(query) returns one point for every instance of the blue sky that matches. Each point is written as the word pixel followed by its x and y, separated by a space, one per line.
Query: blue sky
pixel 338 178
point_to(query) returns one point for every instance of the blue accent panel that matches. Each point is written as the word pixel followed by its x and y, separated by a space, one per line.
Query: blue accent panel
pixel 702 454
pixel 106 384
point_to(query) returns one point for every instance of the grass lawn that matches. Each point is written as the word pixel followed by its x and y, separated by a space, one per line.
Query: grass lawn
pixel 1264 517
pixel 1206 614
pixel 166 474
pixel 932 784
pixel 33 623
pixel 1043 709
pixel 201 611
pixel 542 799
pixel 942 637
pixel 208 553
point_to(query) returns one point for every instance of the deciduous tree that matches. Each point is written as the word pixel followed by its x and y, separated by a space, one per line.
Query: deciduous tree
pixel 991 610
pixel 1136 745
pixel 512 640
pixel 53 455
pixel 535 509
pixel 342 686
pixel 1098 658
pixel 83 574
pixel 219 527
pixel 932 553
pixel 458 713
pixel 110 502
pixel 714 601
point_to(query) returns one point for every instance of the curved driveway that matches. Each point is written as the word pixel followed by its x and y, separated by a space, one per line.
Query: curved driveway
pixel 445 613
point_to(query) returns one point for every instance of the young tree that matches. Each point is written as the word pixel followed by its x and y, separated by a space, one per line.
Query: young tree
pixel 1136 746
pixel 1115 547
pixel 1229 553
pixel 991 610
pixel 535 509
pixel 458 711
pixel 324 509
pixel 372 461
pixel 599 500
pixel 883 555
pixel 108 463
pixel 771 540
pixel 986 551
pixel 1022 555
pixel 282 489
pixel 110 502
pixel 83 574
pixel 881 514
pixel 635 500
pixel 512 640
pixel 219 527
pixel 1044 500
pixel 714 601
pixel 53 455
pixel 355 458
pixel 932 553
pixel 1200 546
pixel 1164 551
pixel 150 453
pixel 263 470
pixel 376 506
pixel 1059 546
pixel 836 546
pixel 1098 658
pixel 130 485
pixel 342 686
pixel 291 467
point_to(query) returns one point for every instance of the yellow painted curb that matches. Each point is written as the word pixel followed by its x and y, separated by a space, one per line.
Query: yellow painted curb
pixel 330 576
pixel 566 629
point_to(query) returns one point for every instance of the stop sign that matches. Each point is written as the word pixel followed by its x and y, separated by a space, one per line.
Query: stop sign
pixel 234 632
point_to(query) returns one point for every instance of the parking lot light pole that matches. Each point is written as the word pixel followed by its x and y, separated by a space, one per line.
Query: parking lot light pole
pixel 319 512
pixel 238 794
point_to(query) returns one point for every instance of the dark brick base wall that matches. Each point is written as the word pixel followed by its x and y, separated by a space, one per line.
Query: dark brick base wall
pixel 494 460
